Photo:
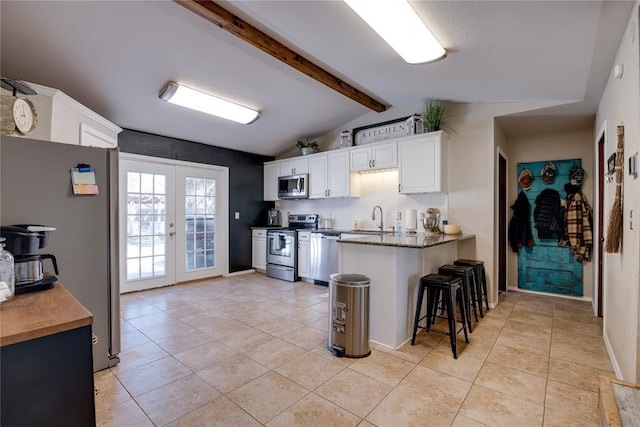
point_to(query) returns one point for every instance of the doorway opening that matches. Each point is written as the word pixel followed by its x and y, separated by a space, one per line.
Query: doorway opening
pixel 599 240
pixel 502 222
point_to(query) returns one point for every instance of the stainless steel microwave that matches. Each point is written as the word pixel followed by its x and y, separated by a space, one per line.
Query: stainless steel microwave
pixel 293 186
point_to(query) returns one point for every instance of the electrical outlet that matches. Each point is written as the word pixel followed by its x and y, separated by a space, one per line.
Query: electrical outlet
pixel 237 216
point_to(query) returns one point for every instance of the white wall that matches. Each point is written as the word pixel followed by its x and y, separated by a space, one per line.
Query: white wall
pixel 620 103
pixel 569 144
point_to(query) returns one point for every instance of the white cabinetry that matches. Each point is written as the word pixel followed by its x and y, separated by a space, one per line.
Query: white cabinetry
pixel 63 119
pixel 259 249
pixel 271 171
pixel 329 176
pixel 303 253
pixel 377 156
pixel 422 163
pixel 294 166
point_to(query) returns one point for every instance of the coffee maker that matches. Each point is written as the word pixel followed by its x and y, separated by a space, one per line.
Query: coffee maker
pixel 274 219
pixel 24 241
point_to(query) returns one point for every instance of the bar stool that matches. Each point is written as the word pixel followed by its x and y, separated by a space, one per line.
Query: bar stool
pixel 481 280
pixel 468 288
pixel 449 288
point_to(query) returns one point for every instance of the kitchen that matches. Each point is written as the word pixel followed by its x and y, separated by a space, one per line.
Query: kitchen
pixel 476 134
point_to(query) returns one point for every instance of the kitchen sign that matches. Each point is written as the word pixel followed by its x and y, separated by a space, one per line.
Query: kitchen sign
pixel 411 125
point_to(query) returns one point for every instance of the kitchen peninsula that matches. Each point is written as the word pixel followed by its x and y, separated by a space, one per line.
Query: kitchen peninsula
pixel 395 263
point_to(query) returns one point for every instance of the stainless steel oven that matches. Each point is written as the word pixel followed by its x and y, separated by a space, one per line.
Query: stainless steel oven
pixel 281 255
pixel 282 252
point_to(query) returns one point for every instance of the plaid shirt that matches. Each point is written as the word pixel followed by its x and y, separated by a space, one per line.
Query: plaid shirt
pixel 577 217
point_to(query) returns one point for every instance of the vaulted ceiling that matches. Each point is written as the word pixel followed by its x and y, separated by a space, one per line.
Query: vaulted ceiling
pixel 114 57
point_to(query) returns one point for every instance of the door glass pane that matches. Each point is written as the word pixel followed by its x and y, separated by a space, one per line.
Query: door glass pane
pixel 146 228
pixel 199 223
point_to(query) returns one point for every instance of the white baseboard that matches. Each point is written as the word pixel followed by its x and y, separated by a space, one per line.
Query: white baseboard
pixel 550 294
pixel 612 358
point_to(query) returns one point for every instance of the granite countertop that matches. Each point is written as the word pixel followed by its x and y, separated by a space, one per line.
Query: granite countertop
pixel 416 240
pixel 38 314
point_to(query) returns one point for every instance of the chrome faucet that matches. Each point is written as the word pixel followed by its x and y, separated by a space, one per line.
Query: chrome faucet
pixel 373 216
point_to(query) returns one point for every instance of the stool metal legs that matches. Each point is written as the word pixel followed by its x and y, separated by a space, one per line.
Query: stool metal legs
pixel 449 289
pixel 480 281
pixel 468 285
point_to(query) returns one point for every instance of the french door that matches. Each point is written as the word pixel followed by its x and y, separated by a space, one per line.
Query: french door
pixel 173 221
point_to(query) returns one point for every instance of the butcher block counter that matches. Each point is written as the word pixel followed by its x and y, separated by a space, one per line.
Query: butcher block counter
pixel 38 314
pixel 46 374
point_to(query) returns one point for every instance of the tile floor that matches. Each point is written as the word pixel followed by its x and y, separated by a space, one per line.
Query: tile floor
pixel 249 350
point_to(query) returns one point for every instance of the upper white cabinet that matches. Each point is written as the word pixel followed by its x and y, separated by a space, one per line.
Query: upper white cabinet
pixel 276 168
pixel 271 172
pixel 422 163
pixel 294 166
pixel 63 119
pixel 375 156
pixel 329 176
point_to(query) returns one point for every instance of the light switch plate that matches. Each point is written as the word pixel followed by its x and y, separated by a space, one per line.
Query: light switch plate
pixel 237 215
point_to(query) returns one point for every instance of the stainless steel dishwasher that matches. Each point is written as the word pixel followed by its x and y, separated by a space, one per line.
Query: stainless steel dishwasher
pixel 323 256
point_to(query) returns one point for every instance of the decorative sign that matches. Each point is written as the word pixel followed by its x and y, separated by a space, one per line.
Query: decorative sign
pixel 388 130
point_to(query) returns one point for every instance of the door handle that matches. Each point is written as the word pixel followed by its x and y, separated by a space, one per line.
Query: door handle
pixel 172 233
pixel 374 162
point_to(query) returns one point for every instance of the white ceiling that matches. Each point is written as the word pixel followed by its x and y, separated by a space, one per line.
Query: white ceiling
pixel 114 57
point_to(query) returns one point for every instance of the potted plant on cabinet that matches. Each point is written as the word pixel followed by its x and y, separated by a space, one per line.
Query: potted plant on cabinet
pixel 307 147
pixel 433 114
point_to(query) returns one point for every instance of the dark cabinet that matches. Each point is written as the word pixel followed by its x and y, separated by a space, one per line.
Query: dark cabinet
pixel 48 381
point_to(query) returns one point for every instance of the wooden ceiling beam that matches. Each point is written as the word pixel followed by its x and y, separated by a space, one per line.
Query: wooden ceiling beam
pixel 226 20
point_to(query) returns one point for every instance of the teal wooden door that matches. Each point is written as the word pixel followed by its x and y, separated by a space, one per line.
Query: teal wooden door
pixel 548 267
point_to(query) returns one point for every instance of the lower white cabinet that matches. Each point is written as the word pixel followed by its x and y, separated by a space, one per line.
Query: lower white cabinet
pixel 259 249
pixel 329 176
pixel 422 163
pixel 303 253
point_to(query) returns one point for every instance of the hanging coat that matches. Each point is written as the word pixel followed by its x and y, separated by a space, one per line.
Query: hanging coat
pixel 547 214
pixel 520 227
pixel 578 227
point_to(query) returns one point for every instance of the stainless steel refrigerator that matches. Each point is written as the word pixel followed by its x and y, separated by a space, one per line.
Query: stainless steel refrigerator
pixel 35 188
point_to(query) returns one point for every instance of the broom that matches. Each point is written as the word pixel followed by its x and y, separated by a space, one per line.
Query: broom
pixel 614 231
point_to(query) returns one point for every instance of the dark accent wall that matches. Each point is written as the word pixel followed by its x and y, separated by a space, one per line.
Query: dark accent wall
pixel 245 183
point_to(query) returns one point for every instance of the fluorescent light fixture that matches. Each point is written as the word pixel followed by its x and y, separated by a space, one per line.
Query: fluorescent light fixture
pixel 200 101
pixel 401 27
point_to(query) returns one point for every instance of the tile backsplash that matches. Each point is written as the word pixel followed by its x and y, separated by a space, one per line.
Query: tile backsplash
pixel 377 188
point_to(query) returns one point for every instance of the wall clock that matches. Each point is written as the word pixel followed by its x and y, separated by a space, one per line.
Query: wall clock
pixel 24 115
pixel 18 115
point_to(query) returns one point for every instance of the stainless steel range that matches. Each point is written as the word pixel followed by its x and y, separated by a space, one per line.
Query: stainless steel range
pixel 282 259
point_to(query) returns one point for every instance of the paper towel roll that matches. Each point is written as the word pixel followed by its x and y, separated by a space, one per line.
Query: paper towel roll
pixel 410 219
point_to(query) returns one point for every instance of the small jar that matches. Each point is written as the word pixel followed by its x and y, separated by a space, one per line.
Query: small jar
pixel 7 277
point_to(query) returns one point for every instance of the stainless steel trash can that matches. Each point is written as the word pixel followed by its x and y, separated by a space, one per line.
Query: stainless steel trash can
pixel 349 315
